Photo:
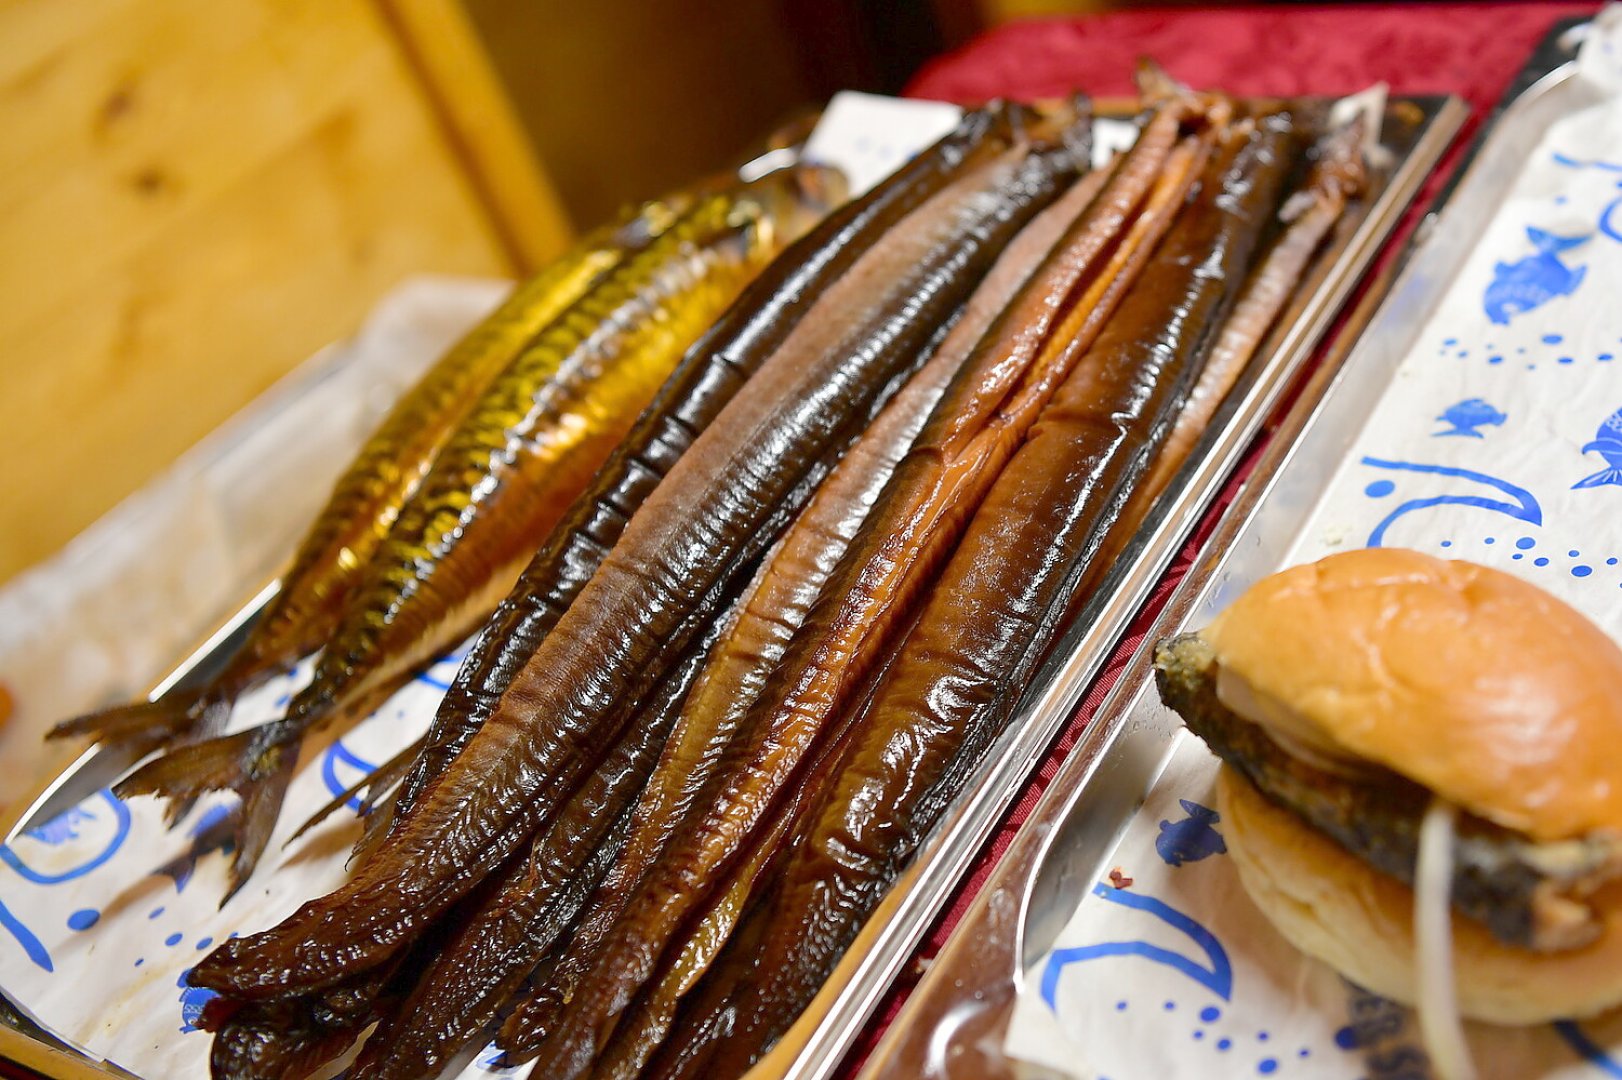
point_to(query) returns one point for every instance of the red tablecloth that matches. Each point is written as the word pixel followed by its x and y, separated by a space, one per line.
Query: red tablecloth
pixel 1472 50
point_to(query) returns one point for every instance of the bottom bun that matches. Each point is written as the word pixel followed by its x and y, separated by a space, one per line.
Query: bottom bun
pixel 1331 905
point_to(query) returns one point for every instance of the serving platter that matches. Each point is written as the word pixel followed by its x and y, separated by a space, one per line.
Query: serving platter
pixel 956 1021
pixel 1414 133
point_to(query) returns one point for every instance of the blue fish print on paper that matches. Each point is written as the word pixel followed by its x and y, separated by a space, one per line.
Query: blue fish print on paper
pixel 192 1001
pixel 1192 838
pixel 1529 283
pixel 1608 444
pixel 211 833
pixel 1468 417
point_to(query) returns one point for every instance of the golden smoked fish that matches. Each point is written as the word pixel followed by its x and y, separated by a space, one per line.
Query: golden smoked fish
pixel 367 497
pixel 529 446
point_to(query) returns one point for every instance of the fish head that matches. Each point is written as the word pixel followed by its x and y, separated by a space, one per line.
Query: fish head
pixel 1609 449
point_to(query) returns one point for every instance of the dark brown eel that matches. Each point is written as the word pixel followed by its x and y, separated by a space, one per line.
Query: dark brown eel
pixel 706 379
pixel 991 616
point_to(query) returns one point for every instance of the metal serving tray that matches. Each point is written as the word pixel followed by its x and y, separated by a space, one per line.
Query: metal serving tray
pixel 954 1022
pixel 1415 133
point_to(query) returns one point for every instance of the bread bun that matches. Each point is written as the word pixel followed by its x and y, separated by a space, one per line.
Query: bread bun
pixel 1471 682
pixel 1333 906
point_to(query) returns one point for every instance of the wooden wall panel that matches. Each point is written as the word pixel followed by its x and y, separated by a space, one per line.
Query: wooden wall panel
pixel 195 195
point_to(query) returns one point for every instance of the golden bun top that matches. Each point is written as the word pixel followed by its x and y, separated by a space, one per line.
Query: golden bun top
pixel 1469 681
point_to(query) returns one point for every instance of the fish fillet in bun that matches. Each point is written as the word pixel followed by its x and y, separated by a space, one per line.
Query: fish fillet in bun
pixel 1358 701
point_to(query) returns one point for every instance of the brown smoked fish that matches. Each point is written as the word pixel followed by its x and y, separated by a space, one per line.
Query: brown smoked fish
pixel 367 498
pixel 998 603
pixel 974 428
pixel 529 446
pixel 617 638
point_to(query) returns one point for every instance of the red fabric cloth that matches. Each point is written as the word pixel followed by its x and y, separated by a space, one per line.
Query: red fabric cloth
pixel 1473 50
pixel 1468 49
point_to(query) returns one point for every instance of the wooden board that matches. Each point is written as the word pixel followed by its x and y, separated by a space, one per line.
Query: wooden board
pixel 195 195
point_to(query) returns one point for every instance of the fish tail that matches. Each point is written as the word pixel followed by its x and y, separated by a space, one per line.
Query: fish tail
pixel 1600 479
pixel 175 714
pixel 257 764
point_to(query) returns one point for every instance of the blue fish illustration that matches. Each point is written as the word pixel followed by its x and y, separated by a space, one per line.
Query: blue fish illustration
pixel 1192 838
pixel 1608 443
pixel 212 832
pixel 1531 282
pixel 1467 416
pixel 193 999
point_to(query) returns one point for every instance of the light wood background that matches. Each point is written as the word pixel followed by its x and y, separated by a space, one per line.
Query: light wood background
pixel 195 195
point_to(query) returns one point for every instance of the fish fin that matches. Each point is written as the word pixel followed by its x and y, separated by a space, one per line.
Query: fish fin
pixel 377 784
pixel 256 764
pixel 375 829
pixel 152 722
pixel 177 809
pixel 261 806
pixel 1549 243
pixel 1599 479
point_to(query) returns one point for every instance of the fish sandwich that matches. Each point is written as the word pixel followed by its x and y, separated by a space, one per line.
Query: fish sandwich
pixel 1392 724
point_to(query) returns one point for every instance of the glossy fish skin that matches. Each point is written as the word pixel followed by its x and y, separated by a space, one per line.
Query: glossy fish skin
pixel 789 583
pixel 529 446
pixel 872 593
pixel 1000 601
pixel 754 768
pixel 367 498
pixel 279 1039
pixel 1336 176
pixel 707 378
pixel 806 400
pixel 487 956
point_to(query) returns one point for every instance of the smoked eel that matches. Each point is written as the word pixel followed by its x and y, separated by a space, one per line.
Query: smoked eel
pixel 999 602
pixel 792 578
pixel 366 499
pixel 632 619
pixel 1336 176
pixel 974 428
pixel 274 1040
pixel 528 447
pixel 486 957
pixel 707 378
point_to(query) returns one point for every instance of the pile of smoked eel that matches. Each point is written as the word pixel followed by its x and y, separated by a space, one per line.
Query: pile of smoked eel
pixel 814 490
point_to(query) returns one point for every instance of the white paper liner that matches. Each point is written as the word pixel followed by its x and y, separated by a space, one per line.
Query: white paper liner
pixel 1499 441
